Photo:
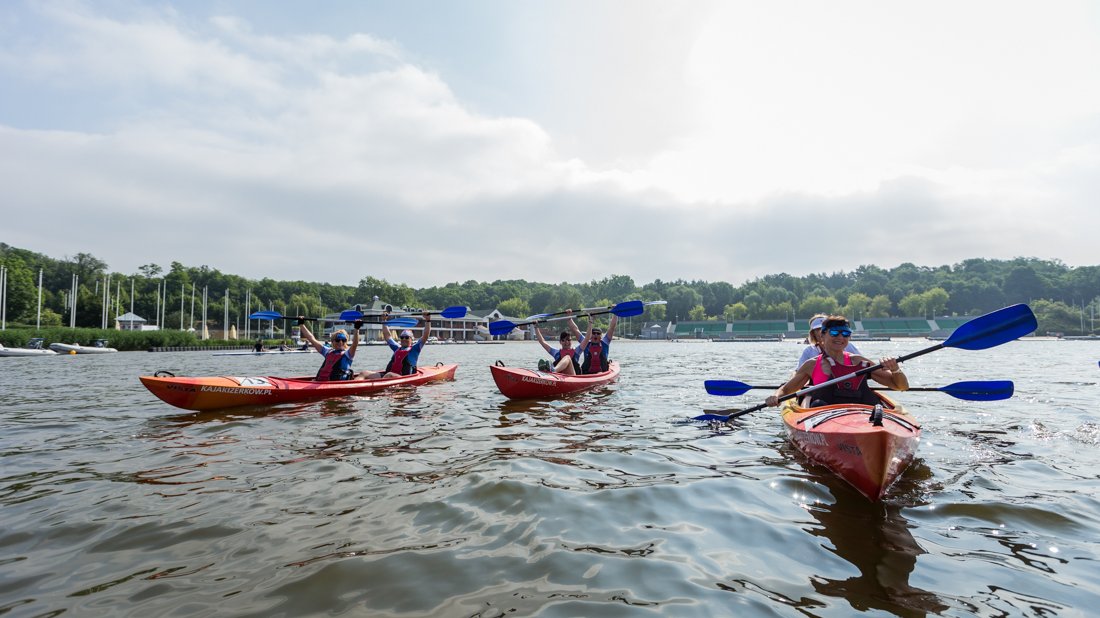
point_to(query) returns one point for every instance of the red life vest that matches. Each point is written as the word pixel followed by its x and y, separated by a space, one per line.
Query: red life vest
pixel 594 351
pixel 337 366
pixel 853 390
pixel 399 364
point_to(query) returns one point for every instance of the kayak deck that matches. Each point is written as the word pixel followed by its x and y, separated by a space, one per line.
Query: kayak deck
pixel 846 438
pixel 219 392
pixel 520 383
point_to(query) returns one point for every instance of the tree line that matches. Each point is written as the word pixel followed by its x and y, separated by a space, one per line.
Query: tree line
pixel 1065 299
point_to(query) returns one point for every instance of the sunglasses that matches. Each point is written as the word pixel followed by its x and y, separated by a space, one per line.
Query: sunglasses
pixel 840 332
pixel 343 339
pixel 404 337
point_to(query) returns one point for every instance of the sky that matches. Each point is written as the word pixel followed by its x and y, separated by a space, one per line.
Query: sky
pixel 433 142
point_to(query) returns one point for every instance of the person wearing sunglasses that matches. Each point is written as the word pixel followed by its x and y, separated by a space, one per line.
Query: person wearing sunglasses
pixel 597 346
pixel 835 362
pixel 814 339
pixel 567 358
pixel 406 351
pixel 338 354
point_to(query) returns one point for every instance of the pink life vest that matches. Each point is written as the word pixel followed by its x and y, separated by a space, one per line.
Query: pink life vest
pixel 848 389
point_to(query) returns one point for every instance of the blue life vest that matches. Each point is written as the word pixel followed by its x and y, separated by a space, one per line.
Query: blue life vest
pixel 337 366
pixel 594 349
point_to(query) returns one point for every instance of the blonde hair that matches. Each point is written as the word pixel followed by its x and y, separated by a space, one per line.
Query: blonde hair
pixel 810 336
pixel 339 331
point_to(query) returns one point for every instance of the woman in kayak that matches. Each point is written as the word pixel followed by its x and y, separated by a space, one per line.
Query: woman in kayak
pixel 406 353
pixel 596 346
pixel 338 355
pixel 836 362
pixel 814 339
pixel 566 359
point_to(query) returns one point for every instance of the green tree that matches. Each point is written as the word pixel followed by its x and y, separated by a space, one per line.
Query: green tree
pixel 1056 317
pixel 736 311
pixel 815 303
pixel 857 306
pixel 880 307
pixel 912 305
pixel 935 301
pixel 698 312
pixel 22 296
pixel 514 307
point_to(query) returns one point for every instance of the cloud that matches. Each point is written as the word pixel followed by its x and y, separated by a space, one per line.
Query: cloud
pixel 330 158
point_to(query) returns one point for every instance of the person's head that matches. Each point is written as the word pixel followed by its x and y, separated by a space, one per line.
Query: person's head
pixel 339 338
pixel 405 337
pixel 596 333
pixel 836 330
pixel 565 339
pixel 814 335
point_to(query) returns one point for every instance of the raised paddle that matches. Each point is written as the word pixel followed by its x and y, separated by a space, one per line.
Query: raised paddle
pixel 983 332
pixel 346 316
pixel 992 390
pixel 624 309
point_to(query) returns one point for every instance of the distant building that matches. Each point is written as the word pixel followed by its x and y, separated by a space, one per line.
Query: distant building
pixel 129 321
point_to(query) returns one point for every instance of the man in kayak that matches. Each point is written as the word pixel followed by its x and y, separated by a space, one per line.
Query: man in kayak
pixel 406 353
pixel 338 355
pixel 566 359
pixel 596 346
pixel 836 362
pixel 814 339
pixel 259 346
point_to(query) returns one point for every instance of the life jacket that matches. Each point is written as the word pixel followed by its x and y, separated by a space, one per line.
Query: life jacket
pixel 337 366
pixel 572 354
pixel 400 360
pixel 594 349
pixel 855 389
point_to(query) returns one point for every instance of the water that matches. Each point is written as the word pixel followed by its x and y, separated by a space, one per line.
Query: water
pixel 451 501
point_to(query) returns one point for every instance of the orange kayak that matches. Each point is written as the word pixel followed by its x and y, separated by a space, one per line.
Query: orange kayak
pixel 217 392
pixel 845 438
pixel 518 383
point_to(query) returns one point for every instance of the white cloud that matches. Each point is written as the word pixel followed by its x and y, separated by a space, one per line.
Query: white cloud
pixel 804 139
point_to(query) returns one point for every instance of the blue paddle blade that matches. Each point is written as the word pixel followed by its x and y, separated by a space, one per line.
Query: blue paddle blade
pixel 266 315
pixel 729 388
pixel 711 417
pixel 452 313
pixel 993 329
pixel 993 390
pixel 628 308
pixel 500 327
pixel 351 315
pixel 401 322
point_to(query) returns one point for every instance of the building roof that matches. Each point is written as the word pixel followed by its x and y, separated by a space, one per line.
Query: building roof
pixel 130 317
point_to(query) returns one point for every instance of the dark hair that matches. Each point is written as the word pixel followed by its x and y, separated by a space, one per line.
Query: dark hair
pixel 563 335
pixel 835 320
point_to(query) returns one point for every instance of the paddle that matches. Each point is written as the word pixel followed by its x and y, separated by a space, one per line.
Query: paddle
pixel 450 313
pixel 624 309
pixel 983 332
pixel 346 316
pixel 992 390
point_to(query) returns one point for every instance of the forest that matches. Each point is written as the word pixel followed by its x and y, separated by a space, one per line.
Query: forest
pixel 1065 299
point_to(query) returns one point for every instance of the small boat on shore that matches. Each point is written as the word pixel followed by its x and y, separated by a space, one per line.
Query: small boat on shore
pixel 219 392
pixel 33 348
pixel 867 446
pixel 99 347
pixel 520 383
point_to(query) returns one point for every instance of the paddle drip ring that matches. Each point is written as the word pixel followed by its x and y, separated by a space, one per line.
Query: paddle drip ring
pixel 164 374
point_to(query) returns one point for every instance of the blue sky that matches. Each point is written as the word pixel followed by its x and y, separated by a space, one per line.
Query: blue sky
pixel 425 142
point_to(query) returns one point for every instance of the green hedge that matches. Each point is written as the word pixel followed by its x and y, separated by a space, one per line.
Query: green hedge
pixel 119 339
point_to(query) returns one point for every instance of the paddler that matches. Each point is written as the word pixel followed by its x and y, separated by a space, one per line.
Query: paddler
pixel 566 358
pixel 835 362
pixel 338 355
pixel 814 339
pixel 406 353
pixel 597 346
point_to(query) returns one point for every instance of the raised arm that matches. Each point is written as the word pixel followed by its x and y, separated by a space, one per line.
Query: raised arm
pixel 538 336
pixel 386 334
pixel 427 327
pixel 355 338
pixel 611 327
pixel 308 336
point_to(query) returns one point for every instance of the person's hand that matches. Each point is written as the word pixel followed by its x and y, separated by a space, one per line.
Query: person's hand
pixel 301 320
pixel 890 363
pixel 358 324
pixel 771 401
pixel 427 316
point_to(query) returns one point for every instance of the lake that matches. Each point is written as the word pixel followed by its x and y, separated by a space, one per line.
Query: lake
pixel 449 500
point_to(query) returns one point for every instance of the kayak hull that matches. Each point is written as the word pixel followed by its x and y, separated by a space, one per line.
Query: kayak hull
pixel 220 392
pixel 76 348
pixel 841 437
pixel 520 383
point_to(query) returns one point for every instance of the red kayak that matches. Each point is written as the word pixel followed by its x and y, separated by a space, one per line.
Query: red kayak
pixel 517 383
pixel 867 446
pixel 217 392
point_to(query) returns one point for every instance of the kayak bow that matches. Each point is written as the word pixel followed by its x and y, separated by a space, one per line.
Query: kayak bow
pixel 519 383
